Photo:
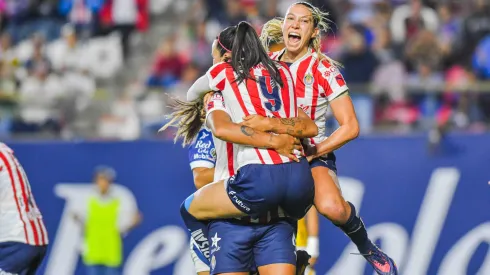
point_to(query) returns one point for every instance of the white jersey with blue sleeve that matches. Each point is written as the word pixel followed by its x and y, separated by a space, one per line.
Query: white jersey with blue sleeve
pixel 202 152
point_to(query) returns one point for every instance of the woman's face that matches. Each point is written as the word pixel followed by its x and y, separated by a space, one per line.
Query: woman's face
pixel 217 58
pixel 298 28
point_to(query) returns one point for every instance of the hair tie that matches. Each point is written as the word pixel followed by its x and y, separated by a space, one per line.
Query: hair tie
pixel 219 42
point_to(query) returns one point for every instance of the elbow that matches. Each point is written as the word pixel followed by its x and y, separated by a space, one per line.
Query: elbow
pixel 355 130
pixel 314 130
pixel 199 182
pixel 223 131
pixel 220 132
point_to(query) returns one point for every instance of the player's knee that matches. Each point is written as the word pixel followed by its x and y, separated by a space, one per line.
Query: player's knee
pixel 335 209
pixel 187 211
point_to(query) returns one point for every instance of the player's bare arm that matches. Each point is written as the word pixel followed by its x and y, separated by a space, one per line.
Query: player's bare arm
pixel 225 129
pixel 300 127
pixel 202 176
pixel 343 111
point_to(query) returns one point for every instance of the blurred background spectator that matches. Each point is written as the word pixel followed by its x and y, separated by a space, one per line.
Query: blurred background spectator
pixel 110 69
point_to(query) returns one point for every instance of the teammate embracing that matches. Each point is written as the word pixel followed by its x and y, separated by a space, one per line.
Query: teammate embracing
pixel 319 84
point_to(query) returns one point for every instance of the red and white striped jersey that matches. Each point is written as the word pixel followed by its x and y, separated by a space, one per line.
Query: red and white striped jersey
pixel 316 84
pixel 226 165
pixel 20 218
pixel 226 152
pixel 263 97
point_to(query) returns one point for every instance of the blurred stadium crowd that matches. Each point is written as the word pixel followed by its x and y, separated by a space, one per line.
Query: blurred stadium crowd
pixel 109 69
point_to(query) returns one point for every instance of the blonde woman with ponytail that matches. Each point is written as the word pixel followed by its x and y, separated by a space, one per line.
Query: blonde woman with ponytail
pixel 319 84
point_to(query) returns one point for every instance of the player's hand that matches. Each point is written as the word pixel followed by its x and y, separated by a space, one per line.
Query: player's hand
pixel 287 145
pixel 257 122
pixel 310 152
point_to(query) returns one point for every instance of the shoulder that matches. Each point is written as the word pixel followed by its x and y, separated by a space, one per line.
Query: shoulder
pixel 219 66
pixel 325 68
pixel 275 55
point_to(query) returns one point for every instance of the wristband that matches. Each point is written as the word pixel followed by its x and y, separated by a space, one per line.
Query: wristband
pixel 313 246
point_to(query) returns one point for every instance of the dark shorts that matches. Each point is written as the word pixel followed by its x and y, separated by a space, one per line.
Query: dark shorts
pixel 239 247
pixel 258 188
pixel 19 258
pixel 328 161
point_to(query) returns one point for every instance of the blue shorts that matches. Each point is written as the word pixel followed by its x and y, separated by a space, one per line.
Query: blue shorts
pixel 258 188
pixel 239 247
pixel 328 161
pixel 20 258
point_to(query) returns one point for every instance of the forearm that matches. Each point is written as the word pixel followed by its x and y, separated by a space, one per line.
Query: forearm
pixel 341 136
pixel 296 127
pixel 244 135
pixel 203 177
pixel 199 88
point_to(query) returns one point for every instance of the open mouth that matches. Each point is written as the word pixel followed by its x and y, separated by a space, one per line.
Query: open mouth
pixel 294 37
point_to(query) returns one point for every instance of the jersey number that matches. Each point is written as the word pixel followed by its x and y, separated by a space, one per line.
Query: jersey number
pixel 271 91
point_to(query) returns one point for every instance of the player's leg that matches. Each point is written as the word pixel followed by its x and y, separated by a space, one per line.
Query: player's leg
pixel 231 248
pixel 275 249
pixel 201 262
pixel 330 203
pixel 211 201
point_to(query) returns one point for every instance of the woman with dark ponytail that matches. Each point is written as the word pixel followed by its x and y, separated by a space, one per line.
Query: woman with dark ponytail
pixel 263 180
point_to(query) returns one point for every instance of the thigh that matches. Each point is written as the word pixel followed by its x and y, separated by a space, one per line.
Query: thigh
pixel 274 269
pixel 327 185
pixel 213 202
pixel 231 247
pixel 275 247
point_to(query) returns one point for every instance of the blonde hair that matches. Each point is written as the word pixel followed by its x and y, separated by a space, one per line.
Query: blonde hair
pixel 272 31
pixel 188 117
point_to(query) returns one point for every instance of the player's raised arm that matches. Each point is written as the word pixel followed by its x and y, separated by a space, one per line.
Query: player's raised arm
pixel 300 127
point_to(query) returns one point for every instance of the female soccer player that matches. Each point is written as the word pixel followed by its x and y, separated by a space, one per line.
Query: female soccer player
pixel 213 204
pixel 308 227
pixel 251 84
pixel 319 84
pixel 238 238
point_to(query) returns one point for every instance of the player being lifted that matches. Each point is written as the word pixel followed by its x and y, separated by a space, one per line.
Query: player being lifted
pixel 253 157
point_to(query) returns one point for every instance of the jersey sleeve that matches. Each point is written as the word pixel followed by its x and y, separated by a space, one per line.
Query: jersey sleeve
pixel 331 80
pixel 202 152
pixel 217 102
pixel 217 76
